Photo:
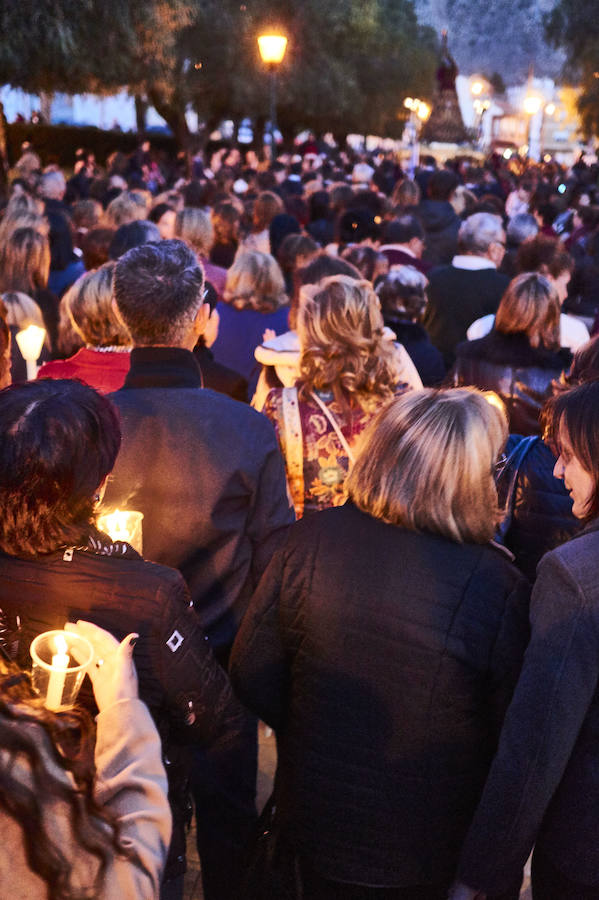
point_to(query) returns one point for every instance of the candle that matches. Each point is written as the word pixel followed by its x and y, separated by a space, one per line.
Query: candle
pixel 30 341
pixel 60 664
pixel 123 525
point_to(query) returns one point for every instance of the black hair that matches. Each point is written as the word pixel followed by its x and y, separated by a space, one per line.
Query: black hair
pixel 158 290
pixel 60 439
pixel 402 230
pixel 442 184
pixel 131 235
pixel 158 211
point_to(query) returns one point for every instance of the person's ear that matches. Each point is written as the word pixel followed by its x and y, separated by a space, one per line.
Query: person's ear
pixel 201 320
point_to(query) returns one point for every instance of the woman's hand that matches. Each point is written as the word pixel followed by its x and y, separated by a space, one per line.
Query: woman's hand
pixel 269 334
pixel 112 671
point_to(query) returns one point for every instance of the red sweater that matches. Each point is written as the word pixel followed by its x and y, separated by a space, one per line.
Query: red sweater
pixel 103 370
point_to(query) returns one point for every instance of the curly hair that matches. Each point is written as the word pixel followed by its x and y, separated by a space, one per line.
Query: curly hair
pixel 343 348
pixel 60 439
pixel 55 750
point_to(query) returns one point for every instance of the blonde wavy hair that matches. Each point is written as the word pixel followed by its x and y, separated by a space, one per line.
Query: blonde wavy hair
pixel 343 349
pixel 427 464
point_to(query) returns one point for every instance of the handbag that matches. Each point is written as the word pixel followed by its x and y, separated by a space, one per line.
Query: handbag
pixel 273 868
pixel 507 481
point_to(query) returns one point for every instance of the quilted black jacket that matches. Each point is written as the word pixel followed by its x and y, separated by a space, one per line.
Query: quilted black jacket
pixel 385 661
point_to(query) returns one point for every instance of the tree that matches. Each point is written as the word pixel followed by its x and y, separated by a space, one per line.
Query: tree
pixel 574 26
pixel 348 67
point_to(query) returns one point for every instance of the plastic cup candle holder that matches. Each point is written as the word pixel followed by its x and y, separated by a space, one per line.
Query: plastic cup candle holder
pixel 59 663
pixel 124 525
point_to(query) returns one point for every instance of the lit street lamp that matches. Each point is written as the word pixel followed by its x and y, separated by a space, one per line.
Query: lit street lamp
pixel 419 113
pixel 272 50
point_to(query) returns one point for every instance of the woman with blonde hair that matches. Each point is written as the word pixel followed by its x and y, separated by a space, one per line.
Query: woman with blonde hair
pixel 103 361
pixel 254 300
pixel 521 356
pixel 25 268
pixel 194 227
pixel 348 369
pixel 21 312
pixel 382 645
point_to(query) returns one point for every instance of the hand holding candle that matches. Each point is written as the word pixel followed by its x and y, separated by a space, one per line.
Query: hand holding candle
pixel 59 663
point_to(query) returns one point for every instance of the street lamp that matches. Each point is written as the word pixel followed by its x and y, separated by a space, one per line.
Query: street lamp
pixel 419 113
pixel 272 50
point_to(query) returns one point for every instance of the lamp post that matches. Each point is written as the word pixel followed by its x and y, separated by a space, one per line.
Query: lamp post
pixel 272 50
pixel 419 113
pixel 480 90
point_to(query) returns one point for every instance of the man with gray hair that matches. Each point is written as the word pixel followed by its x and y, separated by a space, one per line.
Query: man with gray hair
pixel 519 229
pixel 468 288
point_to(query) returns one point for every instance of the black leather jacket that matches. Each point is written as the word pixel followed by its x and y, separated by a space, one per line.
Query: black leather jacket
pixel 185 689
pixel 519 373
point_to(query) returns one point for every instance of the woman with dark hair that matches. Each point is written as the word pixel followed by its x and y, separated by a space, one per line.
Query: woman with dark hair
pixel 163 216
pixel 80 820
pixel 60 442
pixel 382 645
pixel 521 356
pixel 543 787
pixel 65 265
pixel 226 217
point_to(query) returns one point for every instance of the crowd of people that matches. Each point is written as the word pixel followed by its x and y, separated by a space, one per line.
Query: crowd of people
pixel 359 412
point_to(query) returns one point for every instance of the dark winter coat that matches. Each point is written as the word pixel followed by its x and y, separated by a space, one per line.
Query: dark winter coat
pixel 109 584
pixel 457 298
pixel 519 373
pixel 208 476
pixel 385 660
pixel 543 787
pixel 424 355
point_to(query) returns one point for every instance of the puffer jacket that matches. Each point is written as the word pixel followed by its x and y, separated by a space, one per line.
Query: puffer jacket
pixel 186 691
pixel 541 516
pixel 385 660
pixel 519 373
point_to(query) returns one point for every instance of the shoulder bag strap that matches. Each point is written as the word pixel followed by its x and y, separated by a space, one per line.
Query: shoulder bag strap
pixel 335 425
pixel 294 448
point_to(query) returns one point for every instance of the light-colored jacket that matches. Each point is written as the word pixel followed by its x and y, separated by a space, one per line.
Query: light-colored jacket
pixel 131 785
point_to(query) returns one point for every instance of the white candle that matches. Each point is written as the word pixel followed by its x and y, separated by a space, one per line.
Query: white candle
pixel 60 664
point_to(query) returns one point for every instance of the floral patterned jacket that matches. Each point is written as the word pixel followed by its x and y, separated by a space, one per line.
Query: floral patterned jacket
pixel 325 461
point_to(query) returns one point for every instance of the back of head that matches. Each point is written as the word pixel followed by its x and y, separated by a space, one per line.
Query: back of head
pixel 357 225
pixel 22 310
pixel 126 207
pixel 281 227
pixel 402 230
pixel 478 232
pixel 426 464
pixel 442 184
pixel 255 281
pixel 133 234
pixel 24 261
pixel 225 220
pixel 61 241
pixel 544 254
pixel 520 228
pixel 95 246
pixel 531 306
pixel 406 193
pixel 402 293
pixel 267 205
pixel 340 329
pixel 194 227
pixel 158 289
pixel 52 185
pixel 89 303
pixel 60 441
